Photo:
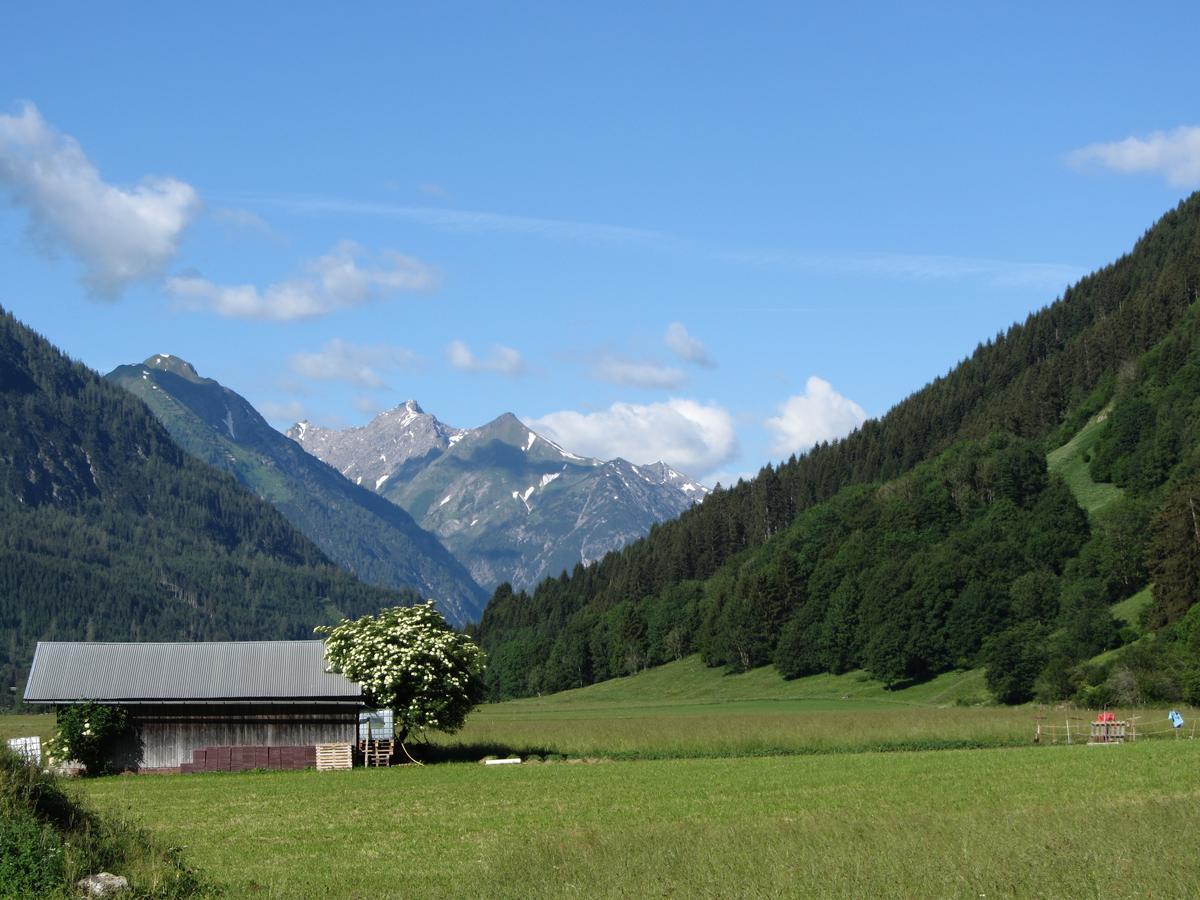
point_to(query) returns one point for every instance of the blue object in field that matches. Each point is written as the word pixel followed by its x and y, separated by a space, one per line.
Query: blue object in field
pixel 1176 718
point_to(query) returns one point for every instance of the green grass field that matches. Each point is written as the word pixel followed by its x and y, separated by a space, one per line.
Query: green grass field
pixel 683 781
pixel 1071 462
pixel 26 725
pixel 684 709
pixel 1048 821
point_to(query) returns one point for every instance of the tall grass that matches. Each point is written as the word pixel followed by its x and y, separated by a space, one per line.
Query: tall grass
pixel 685 709
pixel 49 839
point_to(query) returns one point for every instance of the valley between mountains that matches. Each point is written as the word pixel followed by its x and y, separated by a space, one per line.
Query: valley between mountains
pixel 408 501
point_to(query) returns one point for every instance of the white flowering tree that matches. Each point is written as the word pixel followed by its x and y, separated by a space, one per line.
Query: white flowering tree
pixel 408 660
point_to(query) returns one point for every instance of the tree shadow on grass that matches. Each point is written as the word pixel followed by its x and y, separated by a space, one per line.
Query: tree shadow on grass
pixel 474 752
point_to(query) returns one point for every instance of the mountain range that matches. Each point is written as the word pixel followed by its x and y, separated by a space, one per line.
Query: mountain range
pixel 110 531
pixel 376 540
pixel 512 505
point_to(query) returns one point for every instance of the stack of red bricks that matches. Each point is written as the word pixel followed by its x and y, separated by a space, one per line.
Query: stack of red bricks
pixel 243 759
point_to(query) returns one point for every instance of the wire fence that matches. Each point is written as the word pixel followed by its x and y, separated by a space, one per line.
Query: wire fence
pixel 1116 730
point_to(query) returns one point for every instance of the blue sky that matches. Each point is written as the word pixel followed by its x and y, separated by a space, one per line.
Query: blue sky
pixel 711 233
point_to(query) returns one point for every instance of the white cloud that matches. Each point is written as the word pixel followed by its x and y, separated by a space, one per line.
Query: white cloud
pixel 331 282
pixel 119 235
pixel 686 347
pixel 1173 154
pixel 357 364
pixel 501 360
pixel 637 373
pixel 819 414
pixel 692 437
pixel 465 220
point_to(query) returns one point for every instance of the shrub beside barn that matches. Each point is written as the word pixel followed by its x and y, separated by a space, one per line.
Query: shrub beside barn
pixel 225 706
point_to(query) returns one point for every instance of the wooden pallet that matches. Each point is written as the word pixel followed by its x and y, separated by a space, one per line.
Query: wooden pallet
pixel 377 753
pixel 333 756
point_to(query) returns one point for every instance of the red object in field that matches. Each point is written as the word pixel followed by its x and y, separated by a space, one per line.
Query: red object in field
pixel 1106 717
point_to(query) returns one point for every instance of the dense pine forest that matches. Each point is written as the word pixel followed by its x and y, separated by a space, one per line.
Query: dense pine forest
pixel 109 531
pixel 935 537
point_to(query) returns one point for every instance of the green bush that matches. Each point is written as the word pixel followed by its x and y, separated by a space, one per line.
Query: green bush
pixel 90 734
pixel 31 856
pixel 49 840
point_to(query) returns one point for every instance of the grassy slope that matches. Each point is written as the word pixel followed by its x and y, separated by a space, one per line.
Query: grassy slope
pixel 689 681
pixel 994 822
pixel 685 710
pixel 1070 461
pixel 1128 611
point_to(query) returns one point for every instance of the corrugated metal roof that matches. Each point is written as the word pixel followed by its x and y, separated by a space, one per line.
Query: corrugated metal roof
pixel 231 670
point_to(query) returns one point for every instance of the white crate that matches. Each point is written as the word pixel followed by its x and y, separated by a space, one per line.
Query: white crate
pixel 28 747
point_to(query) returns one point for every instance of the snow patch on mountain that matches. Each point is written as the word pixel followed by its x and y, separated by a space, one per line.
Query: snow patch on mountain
pixel 491 482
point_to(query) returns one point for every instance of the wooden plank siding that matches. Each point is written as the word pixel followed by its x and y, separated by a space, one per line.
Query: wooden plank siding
pixel 167 736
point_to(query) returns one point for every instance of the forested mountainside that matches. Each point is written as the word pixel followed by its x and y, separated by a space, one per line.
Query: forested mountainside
pixel 110 531
pixel 512 505
pixel 376 540
pixel 891 574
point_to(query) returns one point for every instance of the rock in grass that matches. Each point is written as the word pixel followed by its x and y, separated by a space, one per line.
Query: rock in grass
pixel 103 885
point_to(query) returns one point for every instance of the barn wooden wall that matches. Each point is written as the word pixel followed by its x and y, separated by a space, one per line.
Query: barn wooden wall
pixel 168 735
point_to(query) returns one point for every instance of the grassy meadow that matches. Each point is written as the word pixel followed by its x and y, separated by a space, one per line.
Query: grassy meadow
pixel 686 710
pixel 1048 821
pixel 14 725
pixel 684 782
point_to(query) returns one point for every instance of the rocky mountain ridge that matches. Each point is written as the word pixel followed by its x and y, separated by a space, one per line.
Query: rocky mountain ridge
pixel 513 505
pixel 375 539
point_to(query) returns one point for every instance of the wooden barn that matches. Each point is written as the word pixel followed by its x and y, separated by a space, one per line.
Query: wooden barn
pixel 206 706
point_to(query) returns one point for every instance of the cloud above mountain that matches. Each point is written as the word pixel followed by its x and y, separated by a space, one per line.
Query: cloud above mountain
pixel 693 437
pixel 119 235
pixel 1175 155
pixel 637 373
pixel 819 414
pixel 357 364
pixel 337 280
pixel 500 360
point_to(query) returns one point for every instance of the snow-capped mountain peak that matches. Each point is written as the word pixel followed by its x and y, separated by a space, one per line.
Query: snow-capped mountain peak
pixel 512 504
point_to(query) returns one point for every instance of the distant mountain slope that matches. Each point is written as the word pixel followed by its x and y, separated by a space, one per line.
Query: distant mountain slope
pixel 512 505
pixel 110 531
pixel 376 540
pixel 813 564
